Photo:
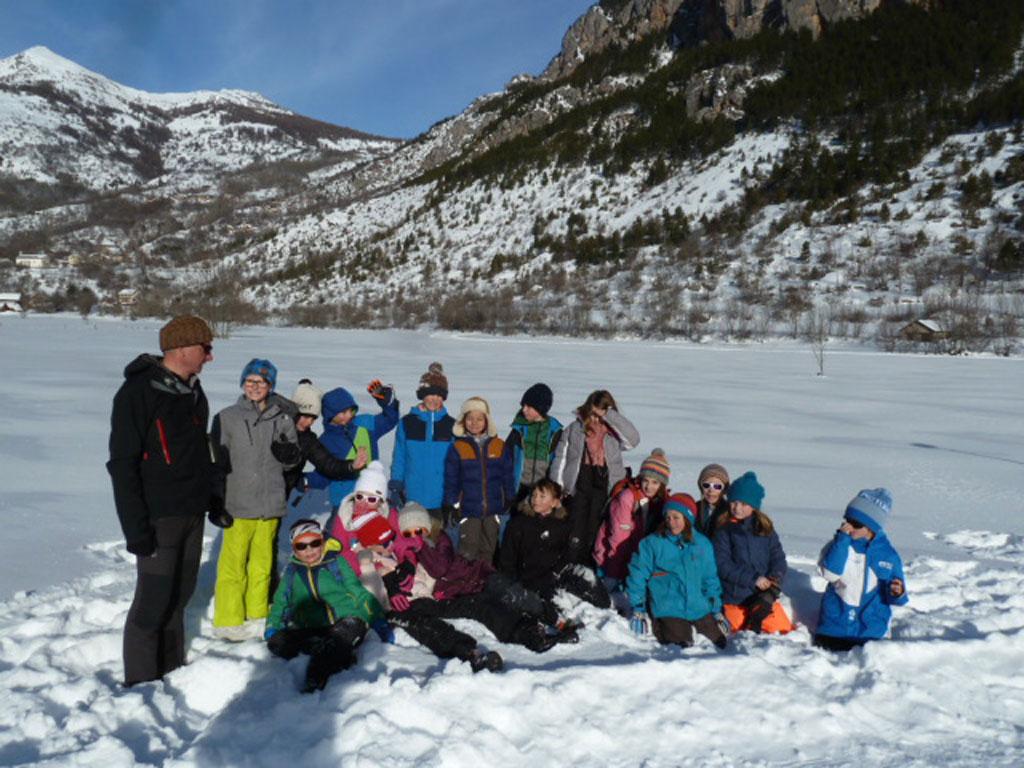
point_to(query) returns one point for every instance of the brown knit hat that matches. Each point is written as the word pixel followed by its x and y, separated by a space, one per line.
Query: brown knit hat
pixel 184 331
pixel 655 467
pixel 713 470
pixel 433 382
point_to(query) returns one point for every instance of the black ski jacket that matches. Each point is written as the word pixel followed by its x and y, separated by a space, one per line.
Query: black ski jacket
pixel 161 462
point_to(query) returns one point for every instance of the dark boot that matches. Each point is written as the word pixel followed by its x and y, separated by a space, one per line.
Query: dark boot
pixel 533 635
pixel 491 661
pixel 759 608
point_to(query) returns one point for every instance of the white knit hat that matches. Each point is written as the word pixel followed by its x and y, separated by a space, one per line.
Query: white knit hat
pixel 373 479
pixel 479 405
pixel 307 398
pixel 412 516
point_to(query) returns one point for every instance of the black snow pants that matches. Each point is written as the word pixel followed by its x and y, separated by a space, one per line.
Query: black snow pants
pixel 586 510
pixel 154 632
pixel 330 649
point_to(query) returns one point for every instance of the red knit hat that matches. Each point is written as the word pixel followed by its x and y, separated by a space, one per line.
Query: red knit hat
pixel 681 502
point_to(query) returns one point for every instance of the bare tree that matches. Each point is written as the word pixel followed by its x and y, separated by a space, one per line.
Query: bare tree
pixel 817 329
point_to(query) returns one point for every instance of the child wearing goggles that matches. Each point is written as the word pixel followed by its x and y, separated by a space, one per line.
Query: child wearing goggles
pixel 864 574
pixel 320 608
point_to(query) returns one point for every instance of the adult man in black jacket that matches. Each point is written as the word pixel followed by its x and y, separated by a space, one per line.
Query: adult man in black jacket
pixel 161 466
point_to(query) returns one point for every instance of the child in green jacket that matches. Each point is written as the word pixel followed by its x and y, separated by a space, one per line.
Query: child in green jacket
pixel 320 608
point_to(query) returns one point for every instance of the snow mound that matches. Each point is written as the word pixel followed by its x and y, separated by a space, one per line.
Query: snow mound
pixel 945 690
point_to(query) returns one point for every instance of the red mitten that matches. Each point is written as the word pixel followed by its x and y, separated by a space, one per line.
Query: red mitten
pixel 400 603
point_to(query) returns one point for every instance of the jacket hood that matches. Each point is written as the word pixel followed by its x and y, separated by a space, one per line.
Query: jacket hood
pixel 151 367
pixel 336 401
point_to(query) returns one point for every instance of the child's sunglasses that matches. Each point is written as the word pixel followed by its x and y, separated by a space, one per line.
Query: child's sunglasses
pixel 854 524
pixel 369 498
pixel 708 486
pixel 415 532
pixel 302 546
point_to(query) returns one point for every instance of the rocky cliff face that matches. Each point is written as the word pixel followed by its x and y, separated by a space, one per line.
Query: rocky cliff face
pixel 691 22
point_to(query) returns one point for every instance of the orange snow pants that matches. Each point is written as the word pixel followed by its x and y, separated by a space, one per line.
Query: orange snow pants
pixel 778 621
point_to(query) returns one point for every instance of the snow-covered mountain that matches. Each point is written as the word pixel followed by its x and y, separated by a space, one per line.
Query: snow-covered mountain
pixel 760 182
pixel 62 122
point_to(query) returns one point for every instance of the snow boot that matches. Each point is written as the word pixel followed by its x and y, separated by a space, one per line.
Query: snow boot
pixel 534 636
pixel 491 661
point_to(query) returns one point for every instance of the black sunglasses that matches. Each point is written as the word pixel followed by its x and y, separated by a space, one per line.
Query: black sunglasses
pixel 207 348
pixel 302 546
pixel 854 524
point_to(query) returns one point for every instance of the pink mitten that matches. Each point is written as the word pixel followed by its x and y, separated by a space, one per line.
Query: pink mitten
pixel 400 603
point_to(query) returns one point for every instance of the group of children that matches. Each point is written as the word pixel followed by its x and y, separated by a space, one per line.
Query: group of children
pixel 470 525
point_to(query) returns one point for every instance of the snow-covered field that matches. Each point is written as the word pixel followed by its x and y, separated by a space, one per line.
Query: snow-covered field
pixel 945 434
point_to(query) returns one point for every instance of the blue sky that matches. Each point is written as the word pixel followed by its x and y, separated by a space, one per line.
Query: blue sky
pixel 391 67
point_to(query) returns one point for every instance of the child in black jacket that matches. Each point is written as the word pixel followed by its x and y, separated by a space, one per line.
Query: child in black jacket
pixel 535 550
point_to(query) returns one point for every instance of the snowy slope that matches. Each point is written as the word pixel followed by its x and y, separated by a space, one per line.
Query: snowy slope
pixel 946 435
pixel 58 118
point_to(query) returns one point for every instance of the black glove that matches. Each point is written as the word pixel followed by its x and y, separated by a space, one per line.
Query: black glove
pixel 143 546
pixel 396 494
pixel 449 515
pixel 382 393
pixel 285 451
pixel 218 515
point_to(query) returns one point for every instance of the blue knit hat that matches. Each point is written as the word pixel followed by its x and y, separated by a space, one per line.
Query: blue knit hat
pixel 336 401
pixel 871 507
pixel 265 369
pixel 747 489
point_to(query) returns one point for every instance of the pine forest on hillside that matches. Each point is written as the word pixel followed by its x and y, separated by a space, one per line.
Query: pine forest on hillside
pixel 776 185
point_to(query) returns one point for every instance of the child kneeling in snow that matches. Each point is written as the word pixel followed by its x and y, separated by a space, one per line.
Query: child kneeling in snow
pixel 535 550
pixel 320 608
pixel 751 561
pixel 864 574
pixel 674 573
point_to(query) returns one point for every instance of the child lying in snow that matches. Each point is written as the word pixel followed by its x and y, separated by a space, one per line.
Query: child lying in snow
pixel 864 574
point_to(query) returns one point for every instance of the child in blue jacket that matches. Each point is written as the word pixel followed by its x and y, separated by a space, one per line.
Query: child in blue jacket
pixel 751 561
pixel 346 431
pixel 421 444
pixel 864 574
pixel 672 578
pixel 478 480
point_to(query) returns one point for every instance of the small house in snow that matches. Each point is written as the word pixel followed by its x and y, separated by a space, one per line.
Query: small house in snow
pixel 127 297
pixel 923 330
pixel 31 260
pixel 10 302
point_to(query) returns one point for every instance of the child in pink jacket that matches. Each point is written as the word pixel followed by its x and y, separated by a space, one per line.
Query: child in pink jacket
pixel 633 514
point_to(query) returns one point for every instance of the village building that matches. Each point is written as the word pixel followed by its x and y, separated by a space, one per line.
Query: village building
pixel 10 302
pixel 923 330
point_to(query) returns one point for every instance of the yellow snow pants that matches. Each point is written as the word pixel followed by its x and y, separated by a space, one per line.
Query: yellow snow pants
pixel 243 572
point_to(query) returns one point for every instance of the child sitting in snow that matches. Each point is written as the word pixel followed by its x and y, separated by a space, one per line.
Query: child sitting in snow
pixel 635 511
pixel 864 574
pixel 535 550
pixel 751 562
pixel 320 608
pixel 713 483
pixel 363 524
pixel 672 579
pixel 446 585
pixel 478 480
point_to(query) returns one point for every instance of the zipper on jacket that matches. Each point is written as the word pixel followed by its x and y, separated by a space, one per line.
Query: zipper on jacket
pixel 316 595
pixel 483 471
pixel 163 440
